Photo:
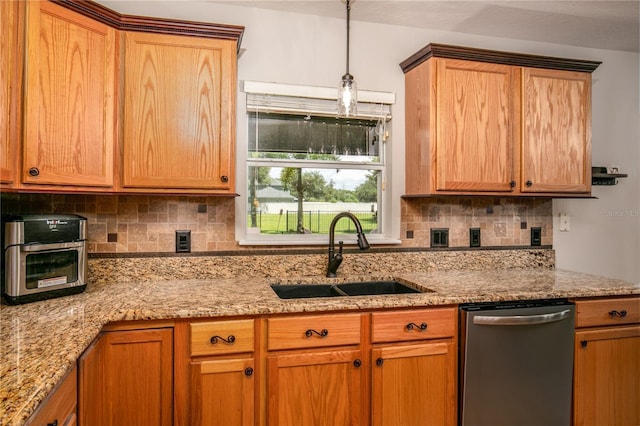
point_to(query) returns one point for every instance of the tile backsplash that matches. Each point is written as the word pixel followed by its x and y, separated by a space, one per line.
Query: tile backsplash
pixel 139 223
pixel 147 223
pixel 502 221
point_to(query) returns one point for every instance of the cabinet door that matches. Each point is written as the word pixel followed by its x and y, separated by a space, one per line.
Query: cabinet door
pixel 69 98
pixel 315 389
pixel 11 16
pixel 475 137
pixel 607 377
pixel 556 131
pixel 222 393
pixel 126 378
pixel 59 407
pixel 179 124
pixel 414 385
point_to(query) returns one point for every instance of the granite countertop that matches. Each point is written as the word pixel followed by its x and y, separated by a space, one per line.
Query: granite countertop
pixel 40 342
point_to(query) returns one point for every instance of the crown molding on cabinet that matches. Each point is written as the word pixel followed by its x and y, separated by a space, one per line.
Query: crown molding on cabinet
pixel 497 57
pixel 153 25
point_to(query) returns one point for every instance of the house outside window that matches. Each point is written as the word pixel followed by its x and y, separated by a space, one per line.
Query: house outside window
pixel 304 164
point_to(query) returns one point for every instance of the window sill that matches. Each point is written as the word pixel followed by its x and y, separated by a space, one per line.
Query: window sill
pixel 313 240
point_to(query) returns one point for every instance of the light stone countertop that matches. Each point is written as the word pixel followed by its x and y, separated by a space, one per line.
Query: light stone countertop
pixel 41 341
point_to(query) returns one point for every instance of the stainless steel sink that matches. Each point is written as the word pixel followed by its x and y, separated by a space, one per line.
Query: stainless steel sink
pixel 360 288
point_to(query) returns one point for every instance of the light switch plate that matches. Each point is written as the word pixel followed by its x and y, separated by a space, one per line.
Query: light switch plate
pixel 565 223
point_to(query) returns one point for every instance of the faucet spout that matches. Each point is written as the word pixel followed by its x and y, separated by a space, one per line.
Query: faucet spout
pixel 335 259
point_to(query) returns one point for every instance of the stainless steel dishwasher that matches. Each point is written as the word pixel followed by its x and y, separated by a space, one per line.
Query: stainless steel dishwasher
pixel 517 363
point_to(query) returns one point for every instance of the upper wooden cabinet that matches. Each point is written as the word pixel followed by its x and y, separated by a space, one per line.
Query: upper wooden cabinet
pixel 487 122
pixel 115 103
pixel 70 90
pixel 11 16
pixel 556 131
pixel 179 113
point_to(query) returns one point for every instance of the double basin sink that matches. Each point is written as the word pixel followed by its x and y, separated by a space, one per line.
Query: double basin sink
pixel 360 288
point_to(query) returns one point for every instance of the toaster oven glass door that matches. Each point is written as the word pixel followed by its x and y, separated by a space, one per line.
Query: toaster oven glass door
pixel 50 268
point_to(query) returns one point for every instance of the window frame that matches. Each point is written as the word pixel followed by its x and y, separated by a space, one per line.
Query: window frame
pixel 317 98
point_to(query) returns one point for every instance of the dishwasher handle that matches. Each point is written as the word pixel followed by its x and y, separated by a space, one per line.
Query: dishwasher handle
pixel 522 319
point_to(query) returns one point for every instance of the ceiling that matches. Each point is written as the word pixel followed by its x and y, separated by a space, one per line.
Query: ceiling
pixel 596 24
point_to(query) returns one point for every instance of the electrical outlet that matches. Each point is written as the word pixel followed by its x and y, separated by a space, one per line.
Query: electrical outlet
pixel 536 236
pixel 565 223
pixel 474 237
pixel 439 237
pixel 183 241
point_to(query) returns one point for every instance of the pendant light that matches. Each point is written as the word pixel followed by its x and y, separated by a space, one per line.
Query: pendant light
pixel 347 90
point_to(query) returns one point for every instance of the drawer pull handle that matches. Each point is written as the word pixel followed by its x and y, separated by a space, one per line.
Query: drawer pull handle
pixel 413 325
pixel 323 333
pixel 248 371
pixel 228 340
pixel 379 362
pixel 621 314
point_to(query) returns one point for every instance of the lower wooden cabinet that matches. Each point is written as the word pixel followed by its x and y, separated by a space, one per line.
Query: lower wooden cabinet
pixel 414 385
pixel 126 378
pixel 315 374
pixel 220 386
pixel 607 363
pixel 59 408
pixel 414 379
pixel 320 388
pixel 382 368
pixel 222 392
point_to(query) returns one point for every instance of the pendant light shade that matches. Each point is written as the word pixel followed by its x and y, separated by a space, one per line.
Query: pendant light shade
pixel 347 90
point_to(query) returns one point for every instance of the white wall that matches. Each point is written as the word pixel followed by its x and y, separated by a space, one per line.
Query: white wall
pixel 604 235
pixel 303 49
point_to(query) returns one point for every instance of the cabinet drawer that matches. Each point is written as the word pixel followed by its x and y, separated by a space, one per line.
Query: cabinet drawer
pixel 413 325
pixel 221 337
pixel 60 406
pixel 313 331
pixel 604 312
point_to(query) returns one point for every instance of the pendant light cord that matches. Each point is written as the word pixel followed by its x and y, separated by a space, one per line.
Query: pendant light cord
pixel 348 16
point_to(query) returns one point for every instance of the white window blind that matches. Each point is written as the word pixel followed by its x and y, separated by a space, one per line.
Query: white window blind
pixel 322 101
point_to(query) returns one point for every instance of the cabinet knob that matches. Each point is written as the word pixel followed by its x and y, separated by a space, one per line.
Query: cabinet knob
pixel 528 183
pixel 322 333
pixel 357 363
pixel 33 171
pixel 379 362
pixel 620 314
pixel 248 371
pixel 228 340
pixel 512 184
pixel 224 179
pixel 54 423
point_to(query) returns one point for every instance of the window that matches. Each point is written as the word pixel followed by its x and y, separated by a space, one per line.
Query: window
pixel 304 165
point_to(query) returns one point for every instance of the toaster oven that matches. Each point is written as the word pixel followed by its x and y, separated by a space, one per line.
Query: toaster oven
pixel 44 256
